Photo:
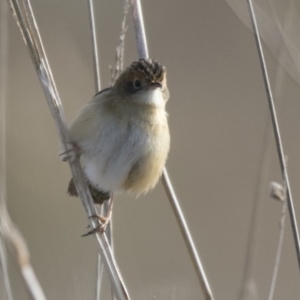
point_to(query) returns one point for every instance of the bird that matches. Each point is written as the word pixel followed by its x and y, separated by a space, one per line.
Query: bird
pixel 122 133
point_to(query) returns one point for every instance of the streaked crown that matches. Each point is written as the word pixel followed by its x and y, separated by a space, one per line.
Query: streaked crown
pixel 149 69
pixel 146 69
pixel 142 77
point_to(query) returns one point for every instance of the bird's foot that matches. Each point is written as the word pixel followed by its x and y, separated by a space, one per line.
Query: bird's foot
pixel 72 152
pixel 104 221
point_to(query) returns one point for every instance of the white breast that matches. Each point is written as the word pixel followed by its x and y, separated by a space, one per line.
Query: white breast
pixel 155 97
pixel 117 150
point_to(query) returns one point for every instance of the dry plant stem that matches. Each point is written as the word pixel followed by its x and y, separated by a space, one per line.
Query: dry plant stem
pixel 106 211
pixel 119 59
pixel 261 183
pixel 119 67
pixel 187 236
pixel 142 50
pixel 247 277
pixel 4 269
pixel 279 247
pixel 99 275
pixel 121 45
pixel 276 132
pixel 27 24
pixel 95 46
pixel 109 231
pixel 138 22
pixel 106 207
pixel 18 247
pixel 3 71
pixel 278 85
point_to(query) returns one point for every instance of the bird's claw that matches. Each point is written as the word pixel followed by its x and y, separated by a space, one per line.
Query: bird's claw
pixel 72 152
pixel 100 228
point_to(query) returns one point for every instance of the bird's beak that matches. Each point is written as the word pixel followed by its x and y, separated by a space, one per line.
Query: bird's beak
pixel 155 85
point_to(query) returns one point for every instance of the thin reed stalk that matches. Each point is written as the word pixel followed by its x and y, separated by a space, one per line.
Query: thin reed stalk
pixel 26 21
pixel 142 50
pixel 276 130
pixel 19 249
pixel 118 69
pixel 248 280
pixel 3 71
pixel 281 196
pixel 97 81
pixel 4 269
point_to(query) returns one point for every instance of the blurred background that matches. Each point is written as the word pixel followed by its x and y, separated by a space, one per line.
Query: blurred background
pixel 222 158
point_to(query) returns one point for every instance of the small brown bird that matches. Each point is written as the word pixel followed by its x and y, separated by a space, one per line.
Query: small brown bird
pixel 123 133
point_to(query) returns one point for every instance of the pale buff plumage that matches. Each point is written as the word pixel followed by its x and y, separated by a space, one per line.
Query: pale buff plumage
pixel 123 131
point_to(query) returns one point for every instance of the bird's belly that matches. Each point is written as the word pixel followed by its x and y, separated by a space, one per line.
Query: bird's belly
pixel 145 172
pixel 103 177
pixel 132 161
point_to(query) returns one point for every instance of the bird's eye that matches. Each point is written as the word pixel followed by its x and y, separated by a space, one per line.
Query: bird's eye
pixel 137 84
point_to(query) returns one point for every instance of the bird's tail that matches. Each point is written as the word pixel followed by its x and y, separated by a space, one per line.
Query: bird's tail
pixel 99 196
